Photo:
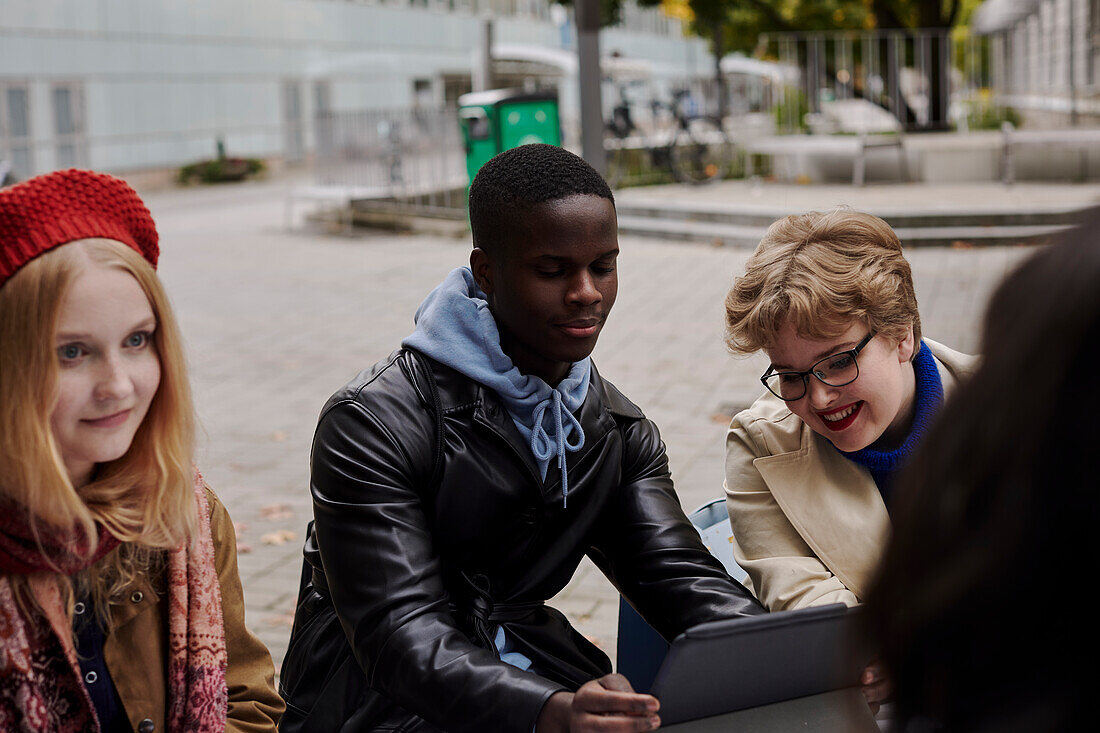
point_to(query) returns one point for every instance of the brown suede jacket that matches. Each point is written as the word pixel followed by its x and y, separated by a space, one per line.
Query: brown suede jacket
pixel 136 648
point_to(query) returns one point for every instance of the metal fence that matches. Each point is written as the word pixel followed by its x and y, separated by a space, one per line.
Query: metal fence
pixel 393 155
pixel 882 80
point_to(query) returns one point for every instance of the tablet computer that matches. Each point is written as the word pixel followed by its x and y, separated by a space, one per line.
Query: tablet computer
pixel 735 664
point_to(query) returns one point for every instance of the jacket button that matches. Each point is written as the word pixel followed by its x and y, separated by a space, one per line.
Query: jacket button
pixel 91 677
pixel 78 609
pixel 146 726
pixel 136 597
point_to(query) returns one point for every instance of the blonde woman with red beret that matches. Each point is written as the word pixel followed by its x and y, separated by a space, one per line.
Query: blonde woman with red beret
pixel 120 604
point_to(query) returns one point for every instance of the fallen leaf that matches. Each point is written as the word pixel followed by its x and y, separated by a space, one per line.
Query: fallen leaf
pixel 281 537
pixel 725 411
pixel 275 512
pixel 240 527
pixel 243 548
pixel 278 436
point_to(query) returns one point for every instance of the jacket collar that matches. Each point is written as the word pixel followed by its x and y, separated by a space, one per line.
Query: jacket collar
pixel 596 416
pixel 832 502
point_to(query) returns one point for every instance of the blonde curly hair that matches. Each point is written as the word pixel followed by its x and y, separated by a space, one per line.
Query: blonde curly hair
pixel 821 271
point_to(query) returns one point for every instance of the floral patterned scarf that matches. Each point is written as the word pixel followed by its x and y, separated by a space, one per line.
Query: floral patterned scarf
pixel 40 684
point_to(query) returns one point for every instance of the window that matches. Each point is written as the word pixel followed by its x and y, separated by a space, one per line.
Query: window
pixel 293 124
pixel 15 129
pixel 322 97
pixel 423 94
pixel 324 123
pixel 68 126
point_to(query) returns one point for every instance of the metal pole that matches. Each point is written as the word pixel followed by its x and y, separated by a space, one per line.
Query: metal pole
pixel 1070 62
pixel 588 62
pixel 483 57
pixel 945 77
pixel 1090 51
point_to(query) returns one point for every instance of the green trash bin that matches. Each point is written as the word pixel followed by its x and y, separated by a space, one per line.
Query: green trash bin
pixel 501 119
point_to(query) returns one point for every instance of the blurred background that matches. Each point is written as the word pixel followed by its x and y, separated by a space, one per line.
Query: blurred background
pixel 306 162
pixel 146 87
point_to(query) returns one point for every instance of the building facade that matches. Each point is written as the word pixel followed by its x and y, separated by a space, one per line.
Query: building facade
pixel 129 85
pixel 1044 55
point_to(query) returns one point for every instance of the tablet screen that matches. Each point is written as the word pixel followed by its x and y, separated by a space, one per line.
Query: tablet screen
pixel 729 665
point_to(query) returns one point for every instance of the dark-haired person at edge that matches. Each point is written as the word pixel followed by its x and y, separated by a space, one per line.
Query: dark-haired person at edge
pixel 458 483
pixel 1002 496
pixel 851 389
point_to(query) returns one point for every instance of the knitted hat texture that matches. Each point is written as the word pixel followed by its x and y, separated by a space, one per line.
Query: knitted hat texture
pixel 64 206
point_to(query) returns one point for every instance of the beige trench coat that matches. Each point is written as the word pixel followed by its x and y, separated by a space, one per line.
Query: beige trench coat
pixel 809 525
pixel 136 647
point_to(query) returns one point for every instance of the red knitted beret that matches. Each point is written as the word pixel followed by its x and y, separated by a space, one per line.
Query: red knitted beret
pixel 64 206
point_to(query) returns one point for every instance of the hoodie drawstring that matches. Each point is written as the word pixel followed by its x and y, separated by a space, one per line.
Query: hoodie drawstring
pixel 544 446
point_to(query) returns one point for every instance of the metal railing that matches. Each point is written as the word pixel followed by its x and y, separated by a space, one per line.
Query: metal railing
pixel 881 80
pixel 393 158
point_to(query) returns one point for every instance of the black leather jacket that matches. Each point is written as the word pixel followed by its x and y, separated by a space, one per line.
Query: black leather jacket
pixel 409 569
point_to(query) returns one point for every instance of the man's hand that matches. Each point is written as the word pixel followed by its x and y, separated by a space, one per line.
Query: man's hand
pixel 606 704
pixel 875 685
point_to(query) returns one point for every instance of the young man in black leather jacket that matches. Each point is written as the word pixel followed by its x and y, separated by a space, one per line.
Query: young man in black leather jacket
pixel 458 483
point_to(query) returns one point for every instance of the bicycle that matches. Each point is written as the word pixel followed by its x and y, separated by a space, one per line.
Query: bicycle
pixel 693 148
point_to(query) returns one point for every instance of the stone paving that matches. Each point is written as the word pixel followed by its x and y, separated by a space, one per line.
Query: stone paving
pixel 276 321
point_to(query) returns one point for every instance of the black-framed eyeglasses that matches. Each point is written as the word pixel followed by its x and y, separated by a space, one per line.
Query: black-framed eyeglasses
pixel 835 370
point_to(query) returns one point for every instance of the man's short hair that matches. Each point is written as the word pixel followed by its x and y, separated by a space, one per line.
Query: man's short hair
pixel 821 271
pixel 514 181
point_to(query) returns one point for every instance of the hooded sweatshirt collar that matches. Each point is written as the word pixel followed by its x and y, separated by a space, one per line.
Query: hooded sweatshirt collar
pixel 455 327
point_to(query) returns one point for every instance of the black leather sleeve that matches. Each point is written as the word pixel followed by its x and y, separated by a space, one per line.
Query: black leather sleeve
pixel 649 549
pixel 384 576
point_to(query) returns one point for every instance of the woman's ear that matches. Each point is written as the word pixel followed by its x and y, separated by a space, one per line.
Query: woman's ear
pixel 907 347
pixel 482 269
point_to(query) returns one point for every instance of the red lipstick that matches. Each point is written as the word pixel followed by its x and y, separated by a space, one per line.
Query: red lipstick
pixel 838 425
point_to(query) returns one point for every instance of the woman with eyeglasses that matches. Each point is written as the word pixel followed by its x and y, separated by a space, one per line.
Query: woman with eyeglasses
pixel 850 391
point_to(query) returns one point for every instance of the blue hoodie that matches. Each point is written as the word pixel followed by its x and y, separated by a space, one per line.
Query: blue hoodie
pixel 455 327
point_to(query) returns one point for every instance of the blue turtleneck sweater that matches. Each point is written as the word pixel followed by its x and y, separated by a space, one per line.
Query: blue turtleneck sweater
pixel 927 399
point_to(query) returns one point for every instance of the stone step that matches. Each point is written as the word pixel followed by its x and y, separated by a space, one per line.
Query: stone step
pixel 720 233
pixel 757 216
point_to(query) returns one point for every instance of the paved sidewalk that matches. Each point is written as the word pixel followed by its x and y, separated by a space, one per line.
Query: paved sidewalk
pixel 275 322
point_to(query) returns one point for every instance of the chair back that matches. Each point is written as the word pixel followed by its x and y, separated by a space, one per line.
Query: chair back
pixel 713 522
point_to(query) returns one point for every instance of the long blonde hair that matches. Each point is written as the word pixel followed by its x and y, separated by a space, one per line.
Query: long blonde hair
pixel 145 498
